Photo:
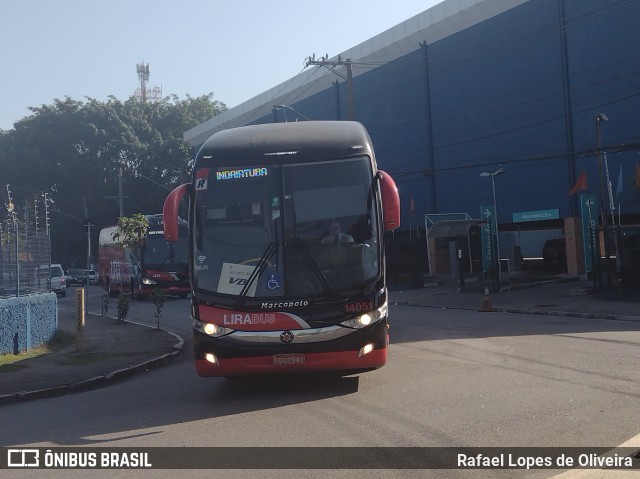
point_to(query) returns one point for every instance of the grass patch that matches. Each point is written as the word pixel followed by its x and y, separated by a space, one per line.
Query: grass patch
pixel 60 339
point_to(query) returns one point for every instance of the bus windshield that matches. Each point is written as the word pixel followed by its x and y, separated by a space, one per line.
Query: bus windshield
pixel 293 230
pixel 161 255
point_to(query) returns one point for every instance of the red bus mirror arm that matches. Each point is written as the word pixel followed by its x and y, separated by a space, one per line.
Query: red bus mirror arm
pixel 170 212
pixel 390 201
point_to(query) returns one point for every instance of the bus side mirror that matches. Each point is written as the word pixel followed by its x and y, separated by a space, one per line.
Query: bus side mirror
pixel 170 212
pixel 390 201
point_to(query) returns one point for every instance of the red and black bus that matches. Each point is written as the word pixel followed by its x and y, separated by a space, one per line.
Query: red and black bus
pixel 286 249
pixel 153 263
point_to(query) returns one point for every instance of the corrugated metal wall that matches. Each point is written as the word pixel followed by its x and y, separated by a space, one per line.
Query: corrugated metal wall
pixel 519 91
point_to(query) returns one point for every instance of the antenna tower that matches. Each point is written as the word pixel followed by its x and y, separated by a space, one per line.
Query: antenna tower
pixel 142 92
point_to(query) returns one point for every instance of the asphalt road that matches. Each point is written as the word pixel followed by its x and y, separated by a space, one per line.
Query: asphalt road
pixel 454 378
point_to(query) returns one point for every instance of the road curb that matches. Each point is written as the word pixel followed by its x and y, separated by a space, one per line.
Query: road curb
pixel 536 284
pixel 536 312
pixel 102 380
pixel 568 314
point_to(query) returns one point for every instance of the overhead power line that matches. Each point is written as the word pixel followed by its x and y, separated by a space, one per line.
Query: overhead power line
pixel 330 65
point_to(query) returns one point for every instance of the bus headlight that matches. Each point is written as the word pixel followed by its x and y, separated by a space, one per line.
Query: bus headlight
pixel 211 329
pixel 368 318
pixel 212 358
pixel 148 281
pixel 366 349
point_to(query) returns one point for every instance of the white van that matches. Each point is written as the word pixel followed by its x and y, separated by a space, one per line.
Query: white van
pixel 56 276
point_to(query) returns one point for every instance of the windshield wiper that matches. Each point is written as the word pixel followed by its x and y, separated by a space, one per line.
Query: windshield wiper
pixel 315 268
pixel 262 263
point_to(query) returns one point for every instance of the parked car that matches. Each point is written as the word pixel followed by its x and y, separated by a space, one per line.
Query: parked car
pixel 76 276
pixel 79 276
pixel 53 277
pixel 554 251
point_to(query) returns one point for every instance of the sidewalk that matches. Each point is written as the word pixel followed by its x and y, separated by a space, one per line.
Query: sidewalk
pixel 561 295
pixel 113 351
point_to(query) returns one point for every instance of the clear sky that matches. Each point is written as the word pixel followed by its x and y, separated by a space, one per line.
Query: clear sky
pixel 234 49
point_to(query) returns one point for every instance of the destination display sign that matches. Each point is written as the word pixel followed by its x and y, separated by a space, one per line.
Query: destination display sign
pixel 524 216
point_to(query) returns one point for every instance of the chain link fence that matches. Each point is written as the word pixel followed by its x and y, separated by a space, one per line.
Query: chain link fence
pixel 25 256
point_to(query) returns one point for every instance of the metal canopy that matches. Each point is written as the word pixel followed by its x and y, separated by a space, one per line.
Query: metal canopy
pixel 451 228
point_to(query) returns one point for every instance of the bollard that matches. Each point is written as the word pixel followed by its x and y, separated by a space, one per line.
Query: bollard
pixel 460 271
pixel 105 304
pixel 81 305
pixel 486 301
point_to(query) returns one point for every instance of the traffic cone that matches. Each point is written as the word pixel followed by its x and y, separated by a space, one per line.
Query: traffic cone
pixel 486 301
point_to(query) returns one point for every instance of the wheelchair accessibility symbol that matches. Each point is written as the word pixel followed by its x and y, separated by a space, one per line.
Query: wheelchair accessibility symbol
pixel 274 282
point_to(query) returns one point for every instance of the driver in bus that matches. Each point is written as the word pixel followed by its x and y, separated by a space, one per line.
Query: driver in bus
pixel 336 235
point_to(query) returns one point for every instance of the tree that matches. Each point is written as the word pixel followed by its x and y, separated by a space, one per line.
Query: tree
pixel 131 230
pixel 123 307
pixel 158 299
pixel 74 151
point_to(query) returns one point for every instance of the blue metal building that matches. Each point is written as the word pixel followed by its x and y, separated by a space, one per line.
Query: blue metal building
pixel 471 86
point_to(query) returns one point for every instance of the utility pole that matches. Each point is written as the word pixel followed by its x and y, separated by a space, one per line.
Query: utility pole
pixel 14 216
pixel 600 117
pixel 35 213
pixel 330 65
pixel 120 196
pixel 46 219
pixel 45 197
pixel 86 210
pixel 89 224
pixel 26 222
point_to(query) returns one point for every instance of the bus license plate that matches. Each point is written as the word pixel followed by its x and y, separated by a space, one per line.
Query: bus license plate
pixel 284 359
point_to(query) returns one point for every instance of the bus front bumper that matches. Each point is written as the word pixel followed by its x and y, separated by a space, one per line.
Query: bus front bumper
pixel 344 350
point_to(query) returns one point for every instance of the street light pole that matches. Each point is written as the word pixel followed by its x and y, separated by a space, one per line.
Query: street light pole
pixel 286 107
pixel 493 175
pixel 600 117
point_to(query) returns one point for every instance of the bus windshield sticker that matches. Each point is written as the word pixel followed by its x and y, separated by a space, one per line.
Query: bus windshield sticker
pixel 243 173
pixel 201 178
pixel 274 281
pixel 234 277
pixel 201 266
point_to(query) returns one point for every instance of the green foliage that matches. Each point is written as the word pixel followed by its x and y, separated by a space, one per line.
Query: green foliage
pixel 123 307
pixel 131 230
pixel 74 151
pixel 158 299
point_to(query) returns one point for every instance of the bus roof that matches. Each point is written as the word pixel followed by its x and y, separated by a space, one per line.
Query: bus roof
pixel 310 140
